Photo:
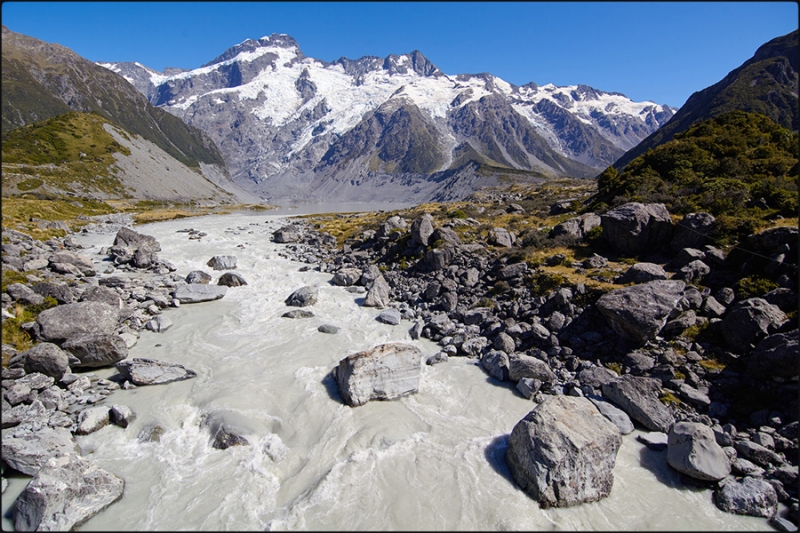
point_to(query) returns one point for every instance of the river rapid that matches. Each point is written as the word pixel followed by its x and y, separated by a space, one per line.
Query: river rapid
pixel 433 460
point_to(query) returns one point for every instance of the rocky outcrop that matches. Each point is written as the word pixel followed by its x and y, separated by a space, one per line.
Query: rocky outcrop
pixel 381 373
pixel 639 312
pixel 64 493
pixel 749 321
pixel 693 450
pixel 141 371
pixel 563 452
pixel 27 450
pixel 639 397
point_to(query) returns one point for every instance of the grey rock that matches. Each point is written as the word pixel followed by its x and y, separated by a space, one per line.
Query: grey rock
pixel 616 416
pixel 712 308
pixel 512 271
pixel 636 228
pixel 198 276
pixel 693 450
pixel 642 273
pixel 59 323
pixel 596 376
pixel 378 294
pixel 158 324
pixel 563 452
pixel 446 235
pixel 121 415
pixel 496 364
pixel 141 371
pixel 196 293
pixel 750 496
pixel 327 328
pixel 92 419
pixel 655 440
pixel 692 231
pixel 438 357
pixel 102 294
pixel 222 262
pixel 131 239
pixel 231 279
pixel 500 237
pixel 758 454
pixel 80 261
pixel 60 291
pixel 96 350
pixel 383 373
pixel 639 312
pixel 46 358
pixel 576 227
pixel 287 234
pixel 303 297
pixel 26 451
pixel 775 356
pixel 439 258
pixel 390 316
pixel 24 294
pixel 298 313
pixel 422 229
pixel 748 321
pixel 525 366
pixel 64 493
pixel 345 277
pixel 638 396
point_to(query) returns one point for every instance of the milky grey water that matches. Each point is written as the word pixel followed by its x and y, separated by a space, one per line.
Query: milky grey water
pixel 432 460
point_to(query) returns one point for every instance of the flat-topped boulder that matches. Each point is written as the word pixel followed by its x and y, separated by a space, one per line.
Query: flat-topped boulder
pixel 199 292
pixel 639 398
pixel 141 371
pixel 96 350
pixel 563 452
pixel 381 373
pixel 59 323
pixel 64 493
pixel 26 450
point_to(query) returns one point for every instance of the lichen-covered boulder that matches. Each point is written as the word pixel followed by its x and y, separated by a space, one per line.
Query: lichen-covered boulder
pixel 563 452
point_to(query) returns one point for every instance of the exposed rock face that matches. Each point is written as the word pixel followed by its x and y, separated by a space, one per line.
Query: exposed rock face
pixel 197 292
pixel 750 496
pixel 62 322
pixel 748 321
pixel 636 228
pixel 640 311
pixel 693 450
pixel 381 373
pixel 67 491
pixel 563 452
pixel 140 371
pixel 638 396
pixel 96 350
pixel 303 297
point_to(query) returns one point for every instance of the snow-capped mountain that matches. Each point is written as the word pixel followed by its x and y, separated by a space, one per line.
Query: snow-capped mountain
pixel 293 126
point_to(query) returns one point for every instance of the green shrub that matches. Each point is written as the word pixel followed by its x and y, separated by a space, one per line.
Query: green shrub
pixel 457 213
pixel 753 286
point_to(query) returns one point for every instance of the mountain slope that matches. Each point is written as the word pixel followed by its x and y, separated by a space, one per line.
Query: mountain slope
pixel 284 120
pixel 767 83
pixel 42 80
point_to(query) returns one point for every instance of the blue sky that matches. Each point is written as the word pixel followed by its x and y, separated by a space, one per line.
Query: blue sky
pixel 657 51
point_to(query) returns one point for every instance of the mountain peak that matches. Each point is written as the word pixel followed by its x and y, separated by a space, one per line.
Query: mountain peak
pixel 252 46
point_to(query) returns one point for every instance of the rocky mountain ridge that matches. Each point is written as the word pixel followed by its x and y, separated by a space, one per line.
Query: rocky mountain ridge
pixel 283 119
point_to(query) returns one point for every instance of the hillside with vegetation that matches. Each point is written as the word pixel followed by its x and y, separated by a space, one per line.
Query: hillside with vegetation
pixel 767 83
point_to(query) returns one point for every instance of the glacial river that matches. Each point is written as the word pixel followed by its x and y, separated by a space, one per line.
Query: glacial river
pixel 429 461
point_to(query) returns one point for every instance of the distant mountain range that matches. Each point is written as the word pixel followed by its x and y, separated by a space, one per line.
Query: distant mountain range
pixel 767 83
pixel 293 127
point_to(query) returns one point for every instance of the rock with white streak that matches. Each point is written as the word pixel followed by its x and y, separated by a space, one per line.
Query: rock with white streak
pixel 381 373
pixel 66 492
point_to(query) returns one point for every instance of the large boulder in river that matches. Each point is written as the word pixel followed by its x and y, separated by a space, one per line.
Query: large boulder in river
pixel 198 292
pixel 303 297
pixel 749 321
pixel 639 397
pixel 381 373
pixel 66 491
pixel 222 262
pixel 141 371
pixel 131 239
pixel 378 294
pixel 345 277
pixel 638 312
pixel 636 228
pixel 59 323
pixel 96 350
pixel 231 279
pixel 563 452
pixel 692 449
